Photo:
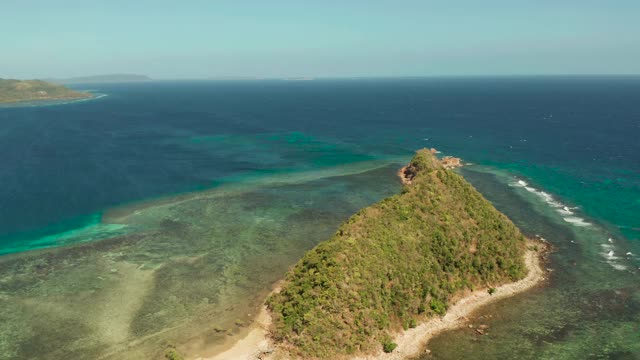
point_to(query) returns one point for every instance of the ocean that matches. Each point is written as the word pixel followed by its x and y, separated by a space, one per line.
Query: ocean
pixel 163 212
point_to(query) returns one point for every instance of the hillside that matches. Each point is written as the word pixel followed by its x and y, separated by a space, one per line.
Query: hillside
pixel 102 79
pixel 30 90
pixel 395 264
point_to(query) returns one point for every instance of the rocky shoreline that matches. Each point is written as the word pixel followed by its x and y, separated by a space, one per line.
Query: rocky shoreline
pixel 407 173
pixel 260 342
pixel 259 345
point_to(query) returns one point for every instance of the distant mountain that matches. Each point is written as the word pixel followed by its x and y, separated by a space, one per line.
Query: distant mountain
pixel 97 79
pixel 29 90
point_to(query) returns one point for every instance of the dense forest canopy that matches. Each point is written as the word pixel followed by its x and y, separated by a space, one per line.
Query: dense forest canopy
pixel 395 264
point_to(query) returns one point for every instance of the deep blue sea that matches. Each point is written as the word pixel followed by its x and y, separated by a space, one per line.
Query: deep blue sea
pixel 171 172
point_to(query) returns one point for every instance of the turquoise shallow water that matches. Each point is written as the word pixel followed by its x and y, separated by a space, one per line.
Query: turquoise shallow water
pixel 192 198
pixel 588 309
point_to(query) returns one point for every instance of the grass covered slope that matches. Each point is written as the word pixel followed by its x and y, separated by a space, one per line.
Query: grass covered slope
pixel 29 90
pixel 394 264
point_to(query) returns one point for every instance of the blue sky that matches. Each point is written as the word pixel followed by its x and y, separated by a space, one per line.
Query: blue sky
pixel 219 38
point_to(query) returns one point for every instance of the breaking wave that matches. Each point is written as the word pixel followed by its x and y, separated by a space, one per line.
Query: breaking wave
pixel 610 253
pixel 565 211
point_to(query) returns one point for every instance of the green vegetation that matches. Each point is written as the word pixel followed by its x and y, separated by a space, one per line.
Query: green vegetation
pixel 394 264
pixel 29 90
pixel 388 346
pixel 101 79
pixel 172 354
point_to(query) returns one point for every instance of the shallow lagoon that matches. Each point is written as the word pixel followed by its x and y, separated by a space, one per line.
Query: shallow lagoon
pixel 179 204
pixel 191 271
pixel 589 307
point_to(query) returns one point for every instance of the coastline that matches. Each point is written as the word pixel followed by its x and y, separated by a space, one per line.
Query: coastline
pixel 51 101
pixel 257 345
pixel 82 96
pixel 411 342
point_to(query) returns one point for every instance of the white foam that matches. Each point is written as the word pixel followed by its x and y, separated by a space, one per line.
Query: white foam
pixel 54 102
pixel 561 208
pixel 565 211
pixel 545 196
pixel 550 200
pixel 617 266
pixel 577 221
pixel 568 215
pixel 607 247
pixel 610 256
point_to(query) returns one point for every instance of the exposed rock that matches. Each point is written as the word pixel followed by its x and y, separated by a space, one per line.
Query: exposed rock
pixel 450 162
pixel 264 354
pixel 408 172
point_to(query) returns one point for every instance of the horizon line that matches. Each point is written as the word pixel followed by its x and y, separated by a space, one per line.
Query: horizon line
pixel 311 78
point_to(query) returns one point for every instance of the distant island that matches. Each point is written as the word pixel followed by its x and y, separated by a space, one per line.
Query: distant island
pixel 101 79
pixel 12 91
pixel 396 273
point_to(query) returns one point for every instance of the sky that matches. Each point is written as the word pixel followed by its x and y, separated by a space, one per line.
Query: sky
pixel 329 38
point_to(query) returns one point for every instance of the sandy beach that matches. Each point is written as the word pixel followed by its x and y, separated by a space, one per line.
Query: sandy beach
pixel 413 341
pixel 257 345
pixel 252 346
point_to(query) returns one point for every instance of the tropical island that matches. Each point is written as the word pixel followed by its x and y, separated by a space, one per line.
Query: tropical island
pixel 102 79
pixel 12 91
pixel 396 273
